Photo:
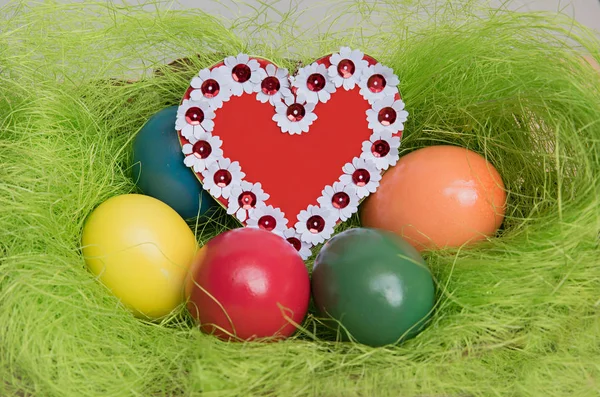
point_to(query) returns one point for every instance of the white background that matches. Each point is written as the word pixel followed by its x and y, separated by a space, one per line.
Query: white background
pixel 585 11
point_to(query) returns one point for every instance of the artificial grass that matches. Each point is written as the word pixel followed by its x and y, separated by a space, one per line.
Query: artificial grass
pixel 516 315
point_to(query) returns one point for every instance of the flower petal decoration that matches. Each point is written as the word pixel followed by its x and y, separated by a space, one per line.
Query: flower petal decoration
pixel 221 176
pixel 194 118
pixel 377 82
pixel 268 218
pixel 211 86
pixel 347 67
pixel 387 114
pixel 381 149
pixel 245 197
pixel 295 239
pixel 340 200
pixel 363 175
pixel 202 151
pixel 294 115
pixel 313 83
pixel 242 74
pixel 315 224
pixel 274 84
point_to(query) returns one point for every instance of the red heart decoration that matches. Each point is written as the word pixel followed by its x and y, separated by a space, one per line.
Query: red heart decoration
pixel 306 149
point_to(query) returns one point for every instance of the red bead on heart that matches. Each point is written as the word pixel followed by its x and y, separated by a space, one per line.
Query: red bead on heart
pixel 296 243
pixel 376 83
pixel 194 116
pixel 340 200
pixel 222 178
pixel 270 85
pixel 247 200
pixel 241 73
pixel 380 148
pixel 315 224
pixel 202 149
pixel 361 177
pixel 387 116
pixel 210 88
pixel 346 68
pixel 316 82
pixel 295 112
pixel 267 222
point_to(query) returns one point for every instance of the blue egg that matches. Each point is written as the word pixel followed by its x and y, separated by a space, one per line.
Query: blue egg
pixel 159 171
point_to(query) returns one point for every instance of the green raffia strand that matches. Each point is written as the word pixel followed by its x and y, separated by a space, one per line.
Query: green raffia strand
pixel 518 315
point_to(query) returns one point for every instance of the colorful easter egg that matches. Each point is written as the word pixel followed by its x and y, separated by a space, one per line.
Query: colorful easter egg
pixel 141 249
pixel 374 284
pixel 439 196
pixel 248 283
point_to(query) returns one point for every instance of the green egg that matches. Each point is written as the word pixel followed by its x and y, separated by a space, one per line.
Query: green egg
pixel 376 285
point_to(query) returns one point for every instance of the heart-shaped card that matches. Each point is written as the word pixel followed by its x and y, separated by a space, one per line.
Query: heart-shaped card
pixel 292 154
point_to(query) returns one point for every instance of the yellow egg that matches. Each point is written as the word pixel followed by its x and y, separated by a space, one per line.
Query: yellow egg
pixel 141 249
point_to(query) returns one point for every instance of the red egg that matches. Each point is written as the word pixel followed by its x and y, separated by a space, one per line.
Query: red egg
pixel 437 197
pixel 249 284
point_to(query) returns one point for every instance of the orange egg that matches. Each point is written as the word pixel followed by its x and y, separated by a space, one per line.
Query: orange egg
pixel 439 196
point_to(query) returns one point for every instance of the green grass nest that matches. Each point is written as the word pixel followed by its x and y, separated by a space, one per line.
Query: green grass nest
pixel 518 315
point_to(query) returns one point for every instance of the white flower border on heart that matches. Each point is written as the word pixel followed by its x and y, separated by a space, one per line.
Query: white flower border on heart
pixel 293 101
